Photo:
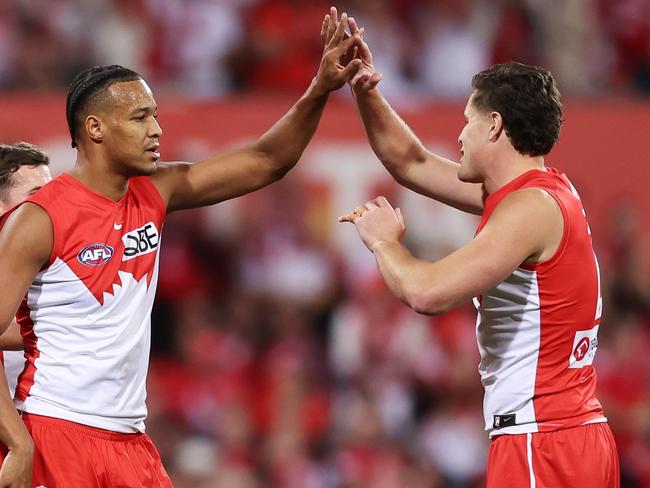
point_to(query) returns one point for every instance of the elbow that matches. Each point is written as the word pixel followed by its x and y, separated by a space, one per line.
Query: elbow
pixel 277 160
pixel 429 302
pixel 4 325
pixel 280 171
pixel 399 161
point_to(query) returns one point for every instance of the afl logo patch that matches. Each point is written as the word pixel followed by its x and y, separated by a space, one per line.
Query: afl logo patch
pixel 95 254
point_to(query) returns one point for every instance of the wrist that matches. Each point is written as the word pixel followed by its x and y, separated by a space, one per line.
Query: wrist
pixel 380 245
pixel 23 446
pixel 317 90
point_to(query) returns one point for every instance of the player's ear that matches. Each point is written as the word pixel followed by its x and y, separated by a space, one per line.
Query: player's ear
pixel 496 126
pixel 93 126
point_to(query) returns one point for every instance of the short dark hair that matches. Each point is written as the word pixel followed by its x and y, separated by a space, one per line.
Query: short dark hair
pixel 85 87
pixel 528 101
pixel 12 157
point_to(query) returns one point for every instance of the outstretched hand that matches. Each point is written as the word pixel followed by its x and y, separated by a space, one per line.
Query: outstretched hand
pixel 332 73
pixel 367 77
pixel 377 221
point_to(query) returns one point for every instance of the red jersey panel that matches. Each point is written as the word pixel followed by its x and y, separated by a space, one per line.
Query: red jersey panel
pixel 86 316
pixel 537 330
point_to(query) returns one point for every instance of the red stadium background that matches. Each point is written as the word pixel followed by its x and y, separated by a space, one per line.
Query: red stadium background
pixel 604 146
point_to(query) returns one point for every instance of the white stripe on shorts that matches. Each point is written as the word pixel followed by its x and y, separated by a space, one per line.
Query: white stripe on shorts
pixel 529 455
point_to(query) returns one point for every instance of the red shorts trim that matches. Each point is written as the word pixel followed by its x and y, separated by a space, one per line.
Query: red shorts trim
pixel 71 455
pixel 579 456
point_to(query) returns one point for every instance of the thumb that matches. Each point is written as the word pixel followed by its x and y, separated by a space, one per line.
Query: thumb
pixel 373 81
pixel 400 218
pixel 351 69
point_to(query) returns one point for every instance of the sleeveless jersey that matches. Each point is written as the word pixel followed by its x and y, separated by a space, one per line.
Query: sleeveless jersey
pixel 86 317
pixel 537 330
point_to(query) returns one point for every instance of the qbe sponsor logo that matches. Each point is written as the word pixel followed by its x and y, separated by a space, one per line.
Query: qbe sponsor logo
pixel 95 254
pixel 585 345
pixel 140 241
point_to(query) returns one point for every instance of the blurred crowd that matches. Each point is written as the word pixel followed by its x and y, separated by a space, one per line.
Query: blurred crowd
pixel 424 48
pixel 278 359
pixel 276 365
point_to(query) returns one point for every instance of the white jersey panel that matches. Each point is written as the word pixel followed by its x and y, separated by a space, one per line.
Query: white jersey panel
pixel 508 335
pixel 14 362
pixel 93 358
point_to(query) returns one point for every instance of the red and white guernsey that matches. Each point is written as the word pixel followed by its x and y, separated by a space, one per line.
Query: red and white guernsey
pixel 537 330
pixel 86 317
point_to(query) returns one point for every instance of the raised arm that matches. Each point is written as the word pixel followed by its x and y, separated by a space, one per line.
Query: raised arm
pixel 246 169
pixel 25 246
pixel 407 160
pixel 395 144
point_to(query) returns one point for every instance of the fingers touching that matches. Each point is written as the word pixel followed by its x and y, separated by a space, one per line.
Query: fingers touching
pixel 369 206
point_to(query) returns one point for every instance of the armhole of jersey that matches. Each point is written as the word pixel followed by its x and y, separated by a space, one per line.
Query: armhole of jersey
pixel 153 189
pixel 55 229
pixel 563 242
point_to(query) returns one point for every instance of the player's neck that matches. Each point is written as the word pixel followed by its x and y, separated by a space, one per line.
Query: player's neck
pixel 508 169
pixel 99 178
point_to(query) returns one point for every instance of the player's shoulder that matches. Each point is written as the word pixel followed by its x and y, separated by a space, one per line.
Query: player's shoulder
pixel 532 199
pixel 29 219
pixel 56 190
pixel 533 208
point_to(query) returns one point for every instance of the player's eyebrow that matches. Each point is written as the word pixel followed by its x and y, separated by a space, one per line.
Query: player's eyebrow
pixel 145 109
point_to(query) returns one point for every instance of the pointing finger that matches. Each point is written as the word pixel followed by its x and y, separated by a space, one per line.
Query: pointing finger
pixel 348 218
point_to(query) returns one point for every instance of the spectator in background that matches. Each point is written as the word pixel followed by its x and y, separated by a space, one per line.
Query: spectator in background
pixel 278 50
pixel 452 30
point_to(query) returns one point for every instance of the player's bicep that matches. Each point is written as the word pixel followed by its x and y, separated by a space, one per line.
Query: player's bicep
pixel 212 180
pixel 519 228
pixel 26 242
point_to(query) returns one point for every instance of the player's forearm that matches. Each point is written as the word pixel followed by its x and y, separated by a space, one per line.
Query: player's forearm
pixel 283 144
pixel 11 340
pixel 408 161
pixel 392 140
pixel 415 282
pixel 13 432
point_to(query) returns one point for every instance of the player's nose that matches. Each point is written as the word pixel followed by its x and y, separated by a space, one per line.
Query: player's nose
pixel 156 130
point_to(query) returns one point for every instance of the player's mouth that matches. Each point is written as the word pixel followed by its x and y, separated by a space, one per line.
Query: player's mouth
pixel 153 151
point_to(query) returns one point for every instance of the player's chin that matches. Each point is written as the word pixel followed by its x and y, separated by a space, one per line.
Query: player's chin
pixel 147 167
pixel 467 177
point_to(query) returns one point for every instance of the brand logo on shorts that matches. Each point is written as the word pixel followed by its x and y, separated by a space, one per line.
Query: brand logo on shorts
pixel 585 345
pixel 95 254
pixel 140 241
pixel 501 421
